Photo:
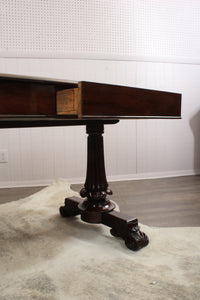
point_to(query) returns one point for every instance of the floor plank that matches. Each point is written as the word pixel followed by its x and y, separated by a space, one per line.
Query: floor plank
pixel 166 202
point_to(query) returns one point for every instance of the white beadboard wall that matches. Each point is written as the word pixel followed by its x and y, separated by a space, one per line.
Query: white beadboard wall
pixel 133 148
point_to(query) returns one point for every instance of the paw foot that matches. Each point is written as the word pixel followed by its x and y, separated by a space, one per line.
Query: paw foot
pixel 136 239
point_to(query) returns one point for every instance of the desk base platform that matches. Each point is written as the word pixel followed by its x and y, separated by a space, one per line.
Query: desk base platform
pixel 121 225
pixel 96 207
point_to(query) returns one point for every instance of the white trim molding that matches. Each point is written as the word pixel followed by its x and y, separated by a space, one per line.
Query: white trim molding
pixel 110 178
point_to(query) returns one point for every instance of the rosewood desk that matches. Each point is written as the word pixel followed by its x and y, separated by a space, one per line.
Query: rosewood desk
pixel 34 102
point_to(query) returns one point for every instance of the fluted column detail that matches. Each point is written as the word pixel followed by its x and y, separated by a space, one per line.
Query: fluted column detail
pixel 96 185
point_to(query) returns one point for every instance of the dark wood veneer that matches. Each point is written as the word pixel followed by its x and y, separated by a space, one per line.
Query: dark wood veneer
pixel 22 96
pixel 27 99
pixel 110 100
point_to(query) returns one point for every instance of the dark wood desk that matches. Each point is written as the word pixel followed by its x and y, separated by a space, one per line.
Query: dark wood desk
pixel 33 102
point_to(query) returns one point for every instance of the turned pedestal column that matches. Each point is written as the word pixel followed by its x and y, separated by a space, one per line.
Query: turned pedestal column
pixel 96 207
pixel 96 186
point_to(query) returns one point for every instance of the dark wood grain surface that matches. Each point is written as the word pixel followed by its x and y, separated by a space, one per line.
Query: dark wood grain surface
pixel 34 97
pixel 23 96
pixel 112 100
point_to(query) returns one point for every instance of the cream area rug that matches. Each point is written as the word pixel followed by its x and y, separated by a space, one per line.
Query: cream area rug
pixel 46 257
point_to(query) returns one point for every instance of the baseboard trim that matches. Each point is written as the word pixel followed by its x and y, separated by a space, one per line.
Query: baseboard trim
pixel 111 178
pixel 153 175
pixel 31 183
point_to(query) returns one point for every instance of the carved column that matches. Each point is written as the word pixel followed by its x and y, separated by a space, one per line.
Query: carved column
pixel 96 208
pixel 96 186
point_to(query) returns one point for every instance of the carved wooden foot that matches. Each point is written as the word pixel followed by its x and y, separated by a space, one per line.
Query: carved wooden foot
pixel 71 207
pixel 121 225
pixel 126 228
pixel 136 239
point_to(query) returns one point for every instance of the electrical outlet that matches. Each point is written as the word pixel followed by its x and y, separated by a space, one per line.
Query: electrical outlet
pixel 3 155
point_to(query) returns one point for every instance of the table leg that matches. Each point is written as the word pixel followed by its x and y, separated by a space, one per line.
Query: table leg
pixel 96 207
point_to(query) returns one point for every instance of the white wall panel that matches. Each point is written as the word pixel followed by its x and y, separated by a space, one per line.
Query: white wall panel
pixel 124 29
pixel 133 148
pixel 160 141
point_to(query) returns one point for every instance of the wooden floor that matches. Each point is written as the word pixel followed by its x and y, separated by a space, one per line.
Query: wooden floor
pixel 167 202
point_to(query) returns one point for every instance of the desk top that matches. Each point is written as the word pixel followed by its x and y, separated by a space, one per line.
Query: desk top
pixel 42 98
